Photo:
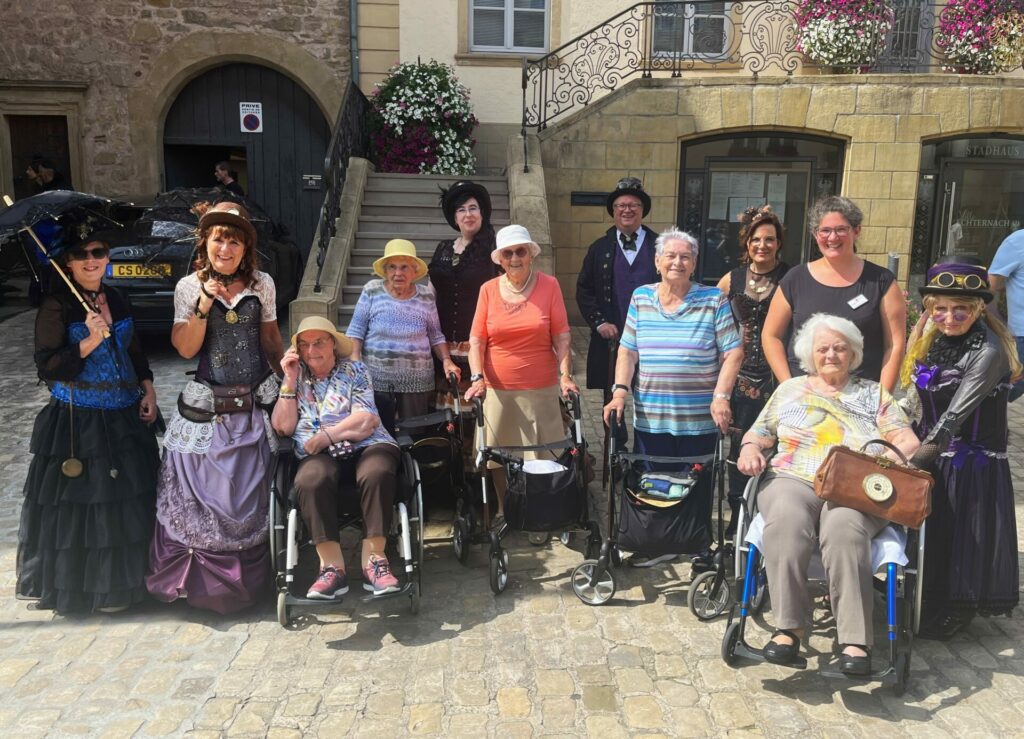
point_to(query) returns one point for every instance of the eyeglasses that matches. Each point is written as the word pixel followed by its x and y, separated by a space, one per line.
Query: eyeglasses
pixel 940 315
pixel 398 267
pixel 519 251
pixel 467 210
pixel 841 232
pixel 318 344
pixel 80 255
pixel 948 279
pixel 766 241
pixel 621 207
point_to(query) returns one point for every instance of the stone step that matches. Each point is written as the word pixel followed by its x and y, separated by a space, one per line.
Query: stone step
pixel 405 200
pixel 428 183
pixel 395 226
pixel 423 213
pixel 358 276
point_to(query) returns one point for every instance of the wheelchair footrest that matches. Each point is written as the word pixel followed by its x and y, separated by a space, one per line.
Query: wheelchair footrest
pixel 404 591
pixel 757 655
pixel 887 675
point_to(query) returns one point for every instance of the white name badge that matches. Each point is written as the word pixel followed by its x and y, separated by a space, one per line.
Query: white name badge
pixel 857 302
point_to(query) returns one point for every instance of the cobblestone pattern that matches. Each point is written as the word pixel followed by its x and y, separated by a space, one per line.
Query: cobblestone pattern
pixel 534 661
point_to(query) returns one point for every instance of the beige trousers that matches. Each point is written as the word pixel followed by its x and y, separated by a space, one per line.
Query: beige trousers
pixel 795 520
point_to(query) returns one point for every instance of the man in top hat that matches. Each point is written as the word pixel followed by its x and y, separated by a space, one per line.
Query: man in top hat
pixel 1007 272
pixel 615 265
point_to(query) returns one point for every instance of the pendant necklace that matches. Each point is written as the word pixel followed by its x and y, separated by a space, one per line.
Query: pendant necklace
pixel 519 291
pixel 758 288
pixel 231 316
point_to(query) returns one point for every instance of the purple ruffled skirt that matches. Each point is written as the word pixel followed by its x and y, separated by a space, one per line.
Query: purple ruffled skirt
pixel 210 544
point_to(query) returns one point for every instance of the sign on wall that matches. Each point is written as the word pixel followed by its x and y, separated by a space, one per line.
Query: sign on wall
pixel 250 117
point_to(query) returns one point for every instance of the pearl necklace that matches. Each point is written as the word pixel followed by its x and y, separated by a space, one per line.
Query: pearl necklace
pixel 519 291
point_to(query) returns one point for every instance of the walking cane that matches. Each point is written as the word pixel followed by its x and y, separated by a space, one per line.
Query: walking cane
pixel 613 350
pixel 71 286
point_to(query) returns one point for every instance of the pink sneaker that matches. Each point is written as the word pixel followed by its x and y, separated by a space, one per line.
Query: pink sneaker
pixel 329 585
pixel 378 577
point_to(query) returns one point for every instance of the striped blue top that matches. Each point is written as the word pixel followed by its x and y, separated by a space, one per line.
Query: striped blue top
pixel 679 358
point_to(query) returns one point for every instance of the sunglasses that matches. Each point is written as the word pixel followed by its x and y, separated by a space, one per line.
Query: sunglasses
pixel 519 251
pixel 940 315
pixel 948 279
pixel 80 255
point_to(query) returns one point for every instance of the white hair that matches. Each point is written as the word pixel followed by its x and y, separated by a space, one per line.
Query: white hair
pixel 674 234
pixel 803 342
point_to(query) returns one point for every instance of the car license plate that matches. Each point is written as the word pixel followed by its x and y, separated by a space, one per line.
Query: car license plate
pixel 136 270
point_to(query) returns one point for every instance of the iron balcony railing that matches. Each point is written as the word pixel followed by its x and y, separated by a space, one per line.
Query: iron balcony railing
pixel 670 38
pixel 350 139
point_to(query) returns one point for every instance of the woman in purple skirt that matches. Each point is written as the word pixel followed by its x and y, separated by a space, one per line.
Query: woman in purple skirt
pixel 210 544
pixel 961 359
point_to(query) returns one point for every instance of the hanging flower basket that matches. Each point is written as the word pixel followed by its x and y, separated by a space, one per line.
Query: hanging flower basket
pixel 982 36
pixel 846 34
pixel 422 121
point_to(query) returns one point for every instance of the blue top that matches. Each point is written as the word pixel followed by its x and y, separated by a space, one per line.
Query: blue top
pixel 1009 263
pixel 107 378
pixel 397 336
pixel 679 358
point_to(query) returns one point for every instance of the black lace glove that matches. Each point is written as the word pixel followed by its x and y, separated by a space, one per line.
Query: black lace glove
pixel 935 444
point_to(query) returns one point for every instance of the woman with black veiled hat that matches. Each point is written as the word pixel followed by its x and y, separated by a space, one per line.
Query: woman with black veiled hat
pixel 89 495
pixel 961 360
pixel 458 269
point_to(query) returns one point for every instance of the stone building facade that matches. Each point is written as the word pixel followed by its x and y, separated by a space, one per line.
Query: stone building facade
pixel 113 69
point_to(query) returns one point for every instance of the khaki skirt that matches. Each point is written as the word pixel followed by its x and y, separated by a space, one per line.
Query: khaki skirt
pixel 523 418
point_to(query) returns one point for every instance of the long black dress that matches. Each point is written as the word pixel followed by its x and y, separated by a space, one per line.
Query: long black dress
pixel 971 544
pixel 750 295
pixel 83 540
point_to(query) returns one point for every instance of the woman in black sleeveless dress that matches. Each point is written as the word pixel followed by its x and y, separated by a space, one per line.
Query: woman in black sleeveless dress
pixel 750 288
pixel 841 284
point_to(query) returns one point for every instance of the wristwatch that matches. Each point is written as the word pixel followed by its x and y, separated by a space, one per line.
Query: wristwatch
pixel 200 314
pixel 620 386
pixel 477 377
pixel 722 396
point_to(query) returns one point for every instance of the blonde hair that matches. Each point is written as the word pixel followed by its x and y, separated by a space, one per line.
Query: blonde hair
pixel 926 330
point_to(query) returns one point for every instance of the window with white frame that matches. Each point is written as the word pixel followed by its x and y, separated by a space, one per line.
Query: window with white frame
pixel 508 25
pixel 690 30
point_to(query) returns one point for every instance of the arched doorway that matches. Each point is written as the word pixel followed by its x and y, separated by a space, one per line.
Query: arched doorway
pixel 203 126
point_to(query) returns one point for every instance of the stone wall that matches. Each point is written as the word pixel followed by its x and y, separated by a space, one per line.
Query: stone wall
pixel 883 118
pixel 129 51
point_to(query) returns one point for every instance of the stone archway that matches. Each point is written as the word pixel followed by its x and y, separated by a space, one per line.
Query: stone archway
pixel 171 71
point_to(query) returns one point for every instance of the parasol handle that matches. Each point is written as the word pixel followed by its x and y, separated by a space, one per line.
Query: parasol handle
pixel 57 268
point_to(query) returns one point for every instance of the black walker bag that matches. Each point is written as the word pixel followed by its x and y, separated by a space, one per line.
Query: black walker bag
pixel 544 501
pixel 656 527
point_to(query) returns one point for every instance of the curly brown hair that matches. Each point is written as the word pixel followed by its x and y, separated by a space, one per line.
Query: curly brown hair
pixel 749 220
pixel 250 260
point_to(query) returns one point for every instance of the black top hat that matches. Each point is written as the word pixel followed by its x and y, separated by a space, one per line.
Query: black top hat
pixel 458 193
pixel 629 186
pixel 958 277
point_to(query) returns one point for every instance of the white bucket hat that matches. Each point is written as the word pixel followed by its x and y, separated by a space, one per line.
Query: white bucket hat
pixel 513 236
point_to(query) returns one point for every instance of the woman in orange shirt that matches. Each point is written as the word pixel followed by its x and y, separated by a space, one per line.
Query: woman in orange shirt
pixel 519 351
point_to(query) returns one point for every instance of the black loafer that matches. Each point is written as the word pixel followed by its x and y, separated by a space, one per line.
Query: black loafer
pixel 855 666
pixel 944 628
pixel 782 654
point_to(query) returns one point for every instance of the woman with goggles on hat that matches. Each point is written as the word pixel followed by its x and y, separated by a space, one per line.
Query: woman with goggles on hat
pixel 961 360
pixel 88 510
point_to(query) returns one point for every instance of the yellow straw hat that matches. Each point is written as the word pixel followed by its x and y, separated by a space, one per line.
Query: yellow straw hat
pixel 400 248
pixel 342 344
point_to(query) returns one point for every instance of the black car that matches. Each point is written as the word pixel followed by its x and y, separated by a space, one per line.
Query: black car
pixel 157 247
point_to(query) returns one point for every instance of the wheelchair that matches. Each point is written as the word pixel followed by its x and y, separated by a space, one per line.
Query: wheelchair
pixel 897 552
pixel 288 539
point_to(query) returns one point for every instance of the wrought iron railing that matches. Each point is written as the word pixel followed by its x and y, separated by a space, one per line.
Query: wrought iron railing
pixel 350 138
pixel 671 38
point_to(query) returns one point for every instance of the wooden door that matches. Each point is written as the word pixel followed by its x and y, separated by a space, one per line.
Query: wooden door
pixel 38 137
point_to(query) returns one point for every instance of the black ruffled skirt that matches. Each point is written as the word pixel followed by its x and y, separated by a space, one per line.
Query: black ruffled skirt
pixel 83 542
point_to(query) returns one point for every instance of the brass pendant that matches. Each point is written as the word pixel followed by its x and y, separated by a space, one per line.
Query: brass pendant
pixel 71 467
pixel 231 317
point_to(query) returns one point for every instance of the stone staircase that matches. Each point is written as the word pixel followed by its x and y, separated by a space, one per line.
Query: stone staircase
pixel 405 206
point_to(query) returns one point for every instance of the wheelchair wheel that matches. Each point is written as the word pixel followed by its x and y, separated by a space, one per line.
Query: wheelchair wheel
pixel 709 595
pixel 600 592
pixel 460 540
pixel 902 668
pixel 593 541
pixel 414 601
pixel 539 538
pixel 729 642
pixel 277 537
pixel 760 596
pixel 282 609
pixel 499 570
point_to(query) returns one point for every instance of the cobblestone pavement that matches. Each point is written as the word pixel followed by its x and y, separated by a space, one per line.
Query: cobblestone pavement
pixel 534 661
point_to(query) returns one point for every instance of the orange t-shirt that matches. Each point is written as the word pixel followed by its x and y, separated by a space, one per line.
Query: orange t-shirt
pixel 520 355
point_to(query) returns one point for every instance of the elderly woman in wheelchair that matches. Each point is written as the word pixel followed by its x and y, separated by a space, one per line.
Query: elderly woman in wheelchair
pixel 326 406
pixel 805 417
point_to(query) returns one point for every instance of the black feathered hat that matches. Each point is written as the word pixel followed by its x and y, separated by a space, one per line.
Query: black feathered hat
pixel 457 193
